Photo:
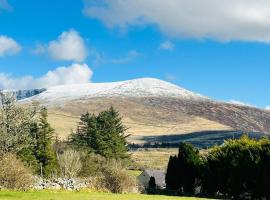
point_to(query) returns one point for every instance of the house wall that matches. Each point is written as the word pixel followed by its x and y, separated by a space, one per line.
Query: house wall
pixel 144 179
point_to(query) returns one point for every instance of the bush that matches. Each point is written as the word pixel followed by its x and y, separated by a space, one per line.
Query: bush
pixel 70 163
pixel 91 164
pixel 112 177
pixel 238 168
pixel 118 180
pixel 13 174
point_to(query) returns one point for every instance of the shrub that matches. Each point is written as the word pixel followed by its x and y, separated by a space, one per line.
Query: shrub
pixel 13 174
pixel 70 163
pixel 238 168
pixel 91 164
pixel 112 177
pixel 118 180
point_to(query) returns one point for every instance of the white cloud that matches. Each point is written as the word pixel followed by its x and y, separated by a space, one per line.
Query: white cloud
pixel 267 108
pixel 223 20
pixel 167 45
pixel 69 46
pixel 5 5
pixel 73 74
pixel 8 46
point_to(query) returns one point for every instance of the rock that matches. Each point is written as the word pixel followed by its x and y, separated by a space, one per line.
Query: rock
pixel 69 184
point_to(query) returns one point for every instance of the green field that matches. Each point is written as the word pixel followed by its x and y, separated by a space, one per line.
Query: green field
pixel 82 196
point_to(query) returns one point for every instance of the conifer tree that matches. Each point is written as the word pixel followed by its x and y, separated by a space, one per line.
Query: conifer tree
pixel 103 134
pixel 43 150
pixel 172 177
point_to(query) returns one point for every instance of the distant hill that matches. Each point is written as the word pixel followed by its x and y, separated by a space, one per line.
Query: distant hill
pixel 150 108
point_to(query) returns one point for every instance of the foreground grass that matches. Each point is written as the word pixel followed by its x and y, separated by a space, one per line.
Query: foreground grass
pixel 7 195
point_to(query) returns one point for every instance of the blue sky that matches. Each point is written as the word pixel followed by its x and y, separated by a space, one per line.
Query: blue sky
pixel 225 56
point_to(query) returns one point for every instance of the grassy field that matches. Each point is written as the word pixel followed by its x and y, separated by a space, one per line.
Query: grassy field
pixel 82 196
pixel 153 158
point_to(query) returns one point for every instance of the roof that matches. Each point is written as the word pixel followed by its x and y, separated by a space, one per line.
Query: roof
pixel 159 176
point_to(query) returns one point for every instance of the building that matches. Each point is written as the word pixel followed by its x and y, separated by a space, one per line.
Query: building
pixel 159 176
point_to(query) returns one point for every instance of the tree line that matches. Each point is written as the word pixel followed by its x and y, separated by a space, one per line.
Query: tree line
pixel 238 169
pixel 26 133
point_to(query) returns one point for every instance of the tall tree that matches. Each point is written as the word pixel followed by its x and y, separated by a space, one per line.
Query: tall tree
pixel 43 150
pixel 182 170
pixel 103 134
pixel 172 177
pixel 15 124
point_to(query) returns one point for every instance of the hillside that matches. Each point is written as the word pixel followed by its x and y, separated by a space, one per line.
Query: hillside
pixel 151 109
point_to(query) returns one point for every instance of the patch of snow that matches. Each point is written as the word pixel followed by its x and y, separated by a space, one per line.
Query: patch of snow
pixel 144 87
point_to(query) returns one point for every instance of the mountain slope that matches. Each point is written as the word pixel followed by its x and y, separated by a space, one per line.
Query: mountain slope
pixel 150 108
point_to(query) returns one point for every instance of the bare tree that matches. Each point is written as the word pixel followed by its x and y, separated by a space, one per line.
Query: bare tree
pixel 70 163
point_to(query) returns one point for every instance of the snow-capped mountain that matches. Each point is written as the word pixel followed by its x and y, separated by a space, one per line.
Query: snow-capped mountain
pixel 150 108
pixel 144 87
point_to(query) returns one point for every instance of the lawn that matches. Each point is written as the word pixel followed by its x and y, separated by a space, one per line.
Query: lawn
pixel 82 196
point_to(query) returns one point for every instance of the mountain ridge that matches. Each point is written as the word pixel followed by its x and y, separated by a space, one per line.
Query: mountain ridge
pixel 142 87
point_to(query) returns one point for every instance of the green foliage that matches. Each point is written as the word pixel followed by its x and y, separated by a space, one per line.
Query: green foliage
pixel 237 168
pixel 43 149
pixel 103 134
pixel 172 176
pixel 183 169
pixel 91 164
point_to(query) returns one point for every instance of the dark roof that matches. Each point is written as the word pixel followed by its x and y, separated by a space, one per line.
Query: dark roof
pixel 159 176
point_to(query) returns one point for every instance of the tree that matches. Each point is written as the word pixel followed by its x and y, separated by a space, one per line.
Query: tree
pixel 152 183
pixel 183 169
pixel 103 134
pixel 44 153
pixel 189 162
pixel 173 174
pixel 70 163
pixel 15 124
pixel 238 168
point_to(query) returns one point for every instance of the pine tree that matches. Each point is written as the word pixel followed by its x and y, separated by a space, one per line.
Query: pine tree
pixel 172 177
pixel 43 150
pixel 103 134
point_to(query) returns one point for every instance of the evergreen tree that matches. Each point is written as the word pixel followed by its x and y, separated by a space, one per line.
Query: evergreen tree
pixel 152 183
pixel 172 176
pixel 189 162
pixel 103 134
pixel 46 156
pixel 182 170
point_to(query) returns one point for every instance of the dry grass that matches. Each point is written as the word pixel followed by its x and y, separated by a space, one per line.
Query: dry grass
pixel 153 158
pixel 140 119
pixel 13 173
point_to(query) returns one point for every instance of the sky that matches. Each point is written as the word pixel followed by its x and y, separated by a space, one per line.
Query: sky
pixel 220 49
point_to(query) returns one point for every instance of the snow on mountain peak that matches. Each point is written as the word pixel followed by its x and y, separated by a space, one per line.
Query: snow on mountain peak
pixel 142 87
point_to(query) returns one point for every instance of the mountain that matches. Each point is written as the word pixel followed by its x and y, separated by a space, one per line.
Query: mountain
pixel 151 108
pixel 144 87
